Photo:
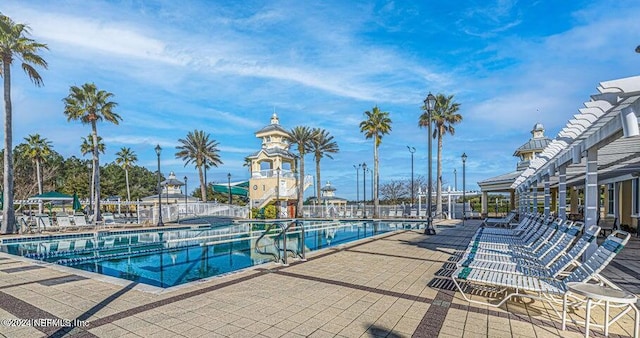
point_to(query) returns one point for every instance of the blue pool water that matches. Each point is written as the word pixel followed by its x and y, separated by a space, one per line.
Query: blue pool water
pixel 171 257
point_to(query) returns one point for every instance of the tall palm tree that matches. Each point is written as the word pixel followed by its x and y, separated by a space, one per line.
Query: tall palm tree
pixel 14 44
pixel 198 149
pixel 38 149
pixel 126 158
pixel 301 135
pixel 444 116
pixel 322 144
pixel 87 148
pixel 90 105
pixel 376 124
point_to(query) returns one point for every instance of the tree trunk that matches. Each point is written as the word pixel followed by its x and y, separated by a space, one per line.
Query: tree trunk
pixel 299 212
pixel 126 178
pixel 203 187
pixel 318 181
pixel 39 181
pixel 96 172
pixel 8 220
pixel 375 177
pixel 439 176
pixel 93 182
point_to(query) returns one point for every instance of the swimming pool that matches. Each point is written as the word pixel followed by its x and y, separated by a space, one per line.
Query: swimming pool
pixel 174 256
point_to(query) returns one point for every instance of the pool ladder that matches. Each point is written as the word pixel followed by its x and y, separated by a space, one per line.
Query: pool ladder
pixel 282 251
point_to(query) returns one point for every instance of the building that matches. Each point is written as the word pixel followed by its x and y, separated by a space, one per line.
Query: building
pixel 591 169
pixel 171 192
pixel 328 197
pixel 526 153
pixel 273 170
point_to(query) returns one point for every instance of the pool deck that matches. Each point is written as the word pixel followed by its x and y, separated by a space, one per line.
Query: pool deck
pixel 393 285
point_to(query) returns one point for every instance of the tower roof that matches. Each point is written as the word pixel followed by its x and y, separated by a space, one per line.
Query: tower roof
pixel 273 128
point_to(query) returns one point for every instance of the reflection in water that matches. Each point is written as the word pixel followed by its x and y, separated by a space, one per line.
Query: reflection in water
pixel 171 257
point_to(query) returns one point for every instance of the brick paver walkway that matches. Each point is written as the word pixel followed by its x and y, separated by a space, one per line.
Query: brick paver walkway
pixel 393 285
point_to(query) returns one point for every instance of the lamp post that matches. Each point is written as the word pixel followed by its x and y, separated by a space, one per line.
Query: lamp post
pixel 229 186
pixel 430 104
pixel 357 186
pixel 277 192
pixel 464 188
pixel 455 179
pixel 158 150
pixel 412 150
pixel 186 201
pixel 364 190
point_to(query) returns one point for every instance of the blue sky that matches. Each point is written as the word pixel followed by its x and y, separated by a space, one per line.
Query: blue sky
pixel 224 67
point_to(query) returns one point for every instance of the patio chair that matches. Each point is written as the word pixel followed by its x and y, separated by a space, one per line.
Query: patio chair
pixel 44 223
pixel 528 229
pixel 608 223
pixel 531 243
pixel 25 224
pixel 544 289
pixel 64 222
pixel 526 221
pixel 499 222
pixel 562 237
pixel 550 265
pixel 80 221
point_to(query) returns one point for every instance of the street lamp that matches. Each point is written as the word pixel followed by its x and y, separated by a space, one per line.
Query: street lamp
pixel 229 186
pixel 185 195
pixel 464 188
pixel 429 104
pixel 277 192
pixel 411 150
pixel 455 179
pixel 158 150
pixel 357 186
pixel 364 190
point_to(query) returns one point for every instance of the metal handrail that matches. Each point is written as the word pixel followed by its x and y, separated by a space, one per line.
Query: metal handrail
pixel 264 252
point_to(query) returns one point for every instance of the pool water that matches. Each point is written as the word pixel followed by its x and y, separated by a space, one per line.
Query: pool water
pixel 166 258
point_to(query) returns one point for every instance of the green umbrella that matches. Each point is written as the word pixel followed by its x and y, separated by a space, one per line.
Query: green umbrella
pixel 1 199
pixel 76 202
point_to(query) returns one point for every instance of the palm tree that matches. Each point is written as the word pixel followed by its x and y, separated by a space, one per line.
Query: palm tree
pixel 376 125
pixel 90 105
pixel 301 135
pixel 322 145
pixel 126 158
pixel 14 44
pixel 444 116
pixel 87 148
pixel 198 149
pixel 38 149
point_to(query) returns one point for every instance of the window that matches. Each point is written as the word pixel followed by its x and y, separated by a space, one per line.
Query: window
pixel 635 197
pixel 611 199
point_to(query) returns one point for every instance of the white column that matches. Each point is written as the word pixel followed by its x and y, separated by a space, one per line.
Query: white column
pixel 562 192
pixel 591 195
pixel 534 200
pixel 547 197
pixel 485 204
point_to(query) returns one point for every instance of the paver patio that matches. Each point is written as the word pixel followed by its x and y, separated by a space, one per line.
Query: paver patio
pixel 393 285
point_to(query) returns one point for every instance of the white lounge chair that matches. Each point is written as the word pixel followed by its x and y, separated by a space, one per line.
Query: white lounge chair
pixel 80 221
pixel 550 265
pixel 25 224
pixel 44 223
pixel 544 289
pixel 64 222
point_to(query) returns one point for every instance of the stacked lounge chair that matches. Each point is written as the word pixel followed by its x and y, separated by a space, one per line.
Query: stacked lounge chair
pixel 545 286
